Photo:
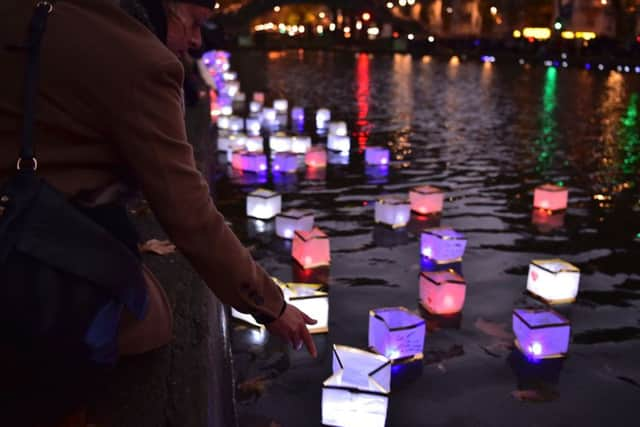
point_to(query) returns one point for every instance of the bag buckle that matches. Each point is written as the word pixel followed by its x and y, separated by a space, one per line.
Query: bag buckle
pixel 47 4
pixel 34 164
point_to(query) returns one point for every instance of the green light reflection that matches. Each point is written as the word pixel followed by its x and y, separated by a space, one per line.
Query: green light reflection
pixel 546 142
pixel 628 138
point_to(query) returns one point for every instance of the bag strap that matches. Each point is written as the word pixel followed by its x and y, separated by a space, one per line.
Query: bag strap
pixel 37 27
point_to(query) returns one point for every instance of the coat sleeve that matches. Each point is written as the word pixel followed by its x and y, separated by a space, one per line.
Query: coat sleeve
pixel 150 134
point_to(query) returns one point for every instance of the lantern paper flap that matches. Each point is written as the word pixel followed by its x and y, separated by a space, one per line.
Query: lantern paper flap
pixel 314 234
pixel 361 370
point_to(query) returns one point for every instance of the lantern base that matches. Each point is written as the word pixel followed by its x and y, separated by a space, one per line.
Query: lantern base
pixel 552 356
pixel 312 266
pixel 426 214
pixel 402 360
pixel 435 313
pixel 550 211
pixel 551 302
pixel 441 262
pixel 394 226
pixel 319 331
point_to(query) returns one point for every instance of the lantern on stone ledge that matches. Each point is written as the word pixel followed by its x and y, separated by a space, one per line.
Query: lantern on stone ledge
pixel 442 292
pixel 554 281
pixel 376 156
pixel 311 249
pixel 393 211
pixel 339 143
pixel 357 394
pixel 254 144
pixel 223 122
pixel 297 116
pixel 258 97
pixel 323 117
pixel 236 124
pixel 396 333
pixel 311 300
pixel 287 223
pixel 281 106
pixel 316 157
pixel 551 197
pixel 263 204
pixel 280 142
pixel 255 107
pixel 253 126
pixel 541 333
pixel 426 200
pixel 442 245
pixel 249 162
pixel 338 128
pixel 269 117
pixel 284 163
pixel 232 142
pixel 300 144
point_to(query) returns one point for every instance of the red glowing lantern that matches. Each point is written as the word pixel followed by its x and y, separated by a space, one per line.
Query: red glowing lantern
pixel 311 249
pixel 442 292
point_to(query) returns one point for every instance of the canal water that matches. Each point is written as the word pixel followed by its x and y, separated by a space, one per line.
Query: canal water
pixel 487 134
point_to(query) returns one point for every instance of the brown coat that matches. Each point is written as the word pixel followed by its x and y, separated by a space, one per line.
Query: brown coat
pixel 110 111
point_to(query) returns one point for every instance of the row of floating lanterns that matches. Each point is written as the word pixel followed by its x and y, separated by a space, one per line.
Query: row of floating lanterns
pixel 359 388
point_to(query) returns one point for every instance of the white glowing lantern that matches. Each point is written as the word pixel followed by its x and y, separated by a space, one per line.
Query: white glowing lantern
pixel 255 107
pixel 338 158
pixel 426 200
pixel 310 299
pixel 280 142
pixel 231 142
pixel 249 162
pixel 323 117
pixel 229 76
pixel 554 281
pixel 224 122
pixel 316 157
pixel 263 204
pixel 339 143
pixel 396 333
pixel 541 333
pixel 442 245
pixel 236 124
pixel 442 292
pixel 393 211
pixel 226 110
pixel 254 144
pixel 551 197
pixel 376 156
pixel 287 223
pixel 300 144
pixel 311 249
pixel 269 117
pixel 357 394
pixel 338 128
pixel 253 126
pixel 281 106
pixel 284 163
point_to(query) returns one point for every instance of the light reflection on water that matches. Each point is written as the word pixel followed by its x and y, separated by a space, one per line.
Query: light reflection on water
pixel 487 134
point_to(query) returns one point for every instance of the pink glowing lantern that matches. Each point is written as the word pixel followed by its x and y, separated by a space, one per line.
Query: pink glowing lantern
pixel 258 97
pixel 311 248
pixel 394 211
pixel 442 245
pixel 316 157
pixel 249 162
pixel 263 204
pixel 426 200
pixel 541 333
pixel 285 163
pixel 287 223
pixel 300 144
pixel 554 281
pixel 551 197
pixel 396 333
pixel 442 292
pixel 376 156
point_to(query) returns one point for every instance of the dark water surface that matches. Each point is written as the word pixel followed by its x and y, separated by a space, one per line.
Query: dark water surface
pixel 488 134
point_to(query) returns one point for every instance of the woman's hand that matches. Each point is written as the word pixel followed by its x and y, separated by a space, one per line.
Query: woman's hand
pixel 292 327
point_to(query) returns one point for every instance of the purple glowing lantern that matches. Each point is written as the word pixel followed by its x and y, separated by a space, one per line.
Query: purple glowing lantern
pixel 287 223
pixel 285 163
pixel 442 245
pixel 541 333
pixel 249 162
pixel 396 333
pixel 376 156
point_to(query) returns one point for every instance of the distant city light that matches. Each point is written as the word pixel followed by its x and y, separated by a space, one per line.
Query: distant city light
pixel 494 10
pixel 332 26
pixel 431 39
pixel 322 15
pixel 402 3
pixel 557 26
pixel 347 30
pixel 276 8
pixel 538 33
pixel 366 16
pixel 389 5
pixel 411 36
pixel 320 29
pixel 216 6
pixel 449 10
pixel 358 25
pixel 517 34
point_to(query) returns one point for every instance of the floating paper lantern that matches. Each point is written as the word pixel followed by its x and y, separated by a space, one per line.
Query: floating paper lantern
pixel 281 106
pixel 232 142
pixel 288 222
pixel 263 204
pixel 249 162
pixel 253 126
pixel 396 333
pixel 229 76
pixel 280 142
pixel 300 144
pixel 338 158
pixel 426 200
pixel 258 97
pixel 311 249
pixel 393 211
pixel 224 122
pixel 541 333
pixel 316 157
pixel 323 116
pixel 442 292
pixel 551 197
pixel 376 156
pixel 338 128
pixel 297 115
pixel 310 299
pixel 554 281
pixel 443 245
pixel 226 110
pixel 285 163
pixel 255 107
pixel 236 124
pixel 254 144
pixel 339 143
pixel 269 117
pixel 357 394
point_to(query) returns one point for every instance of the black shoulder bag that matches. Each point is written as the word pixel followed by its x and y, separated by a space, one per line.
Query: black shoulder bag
pixel 64 275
